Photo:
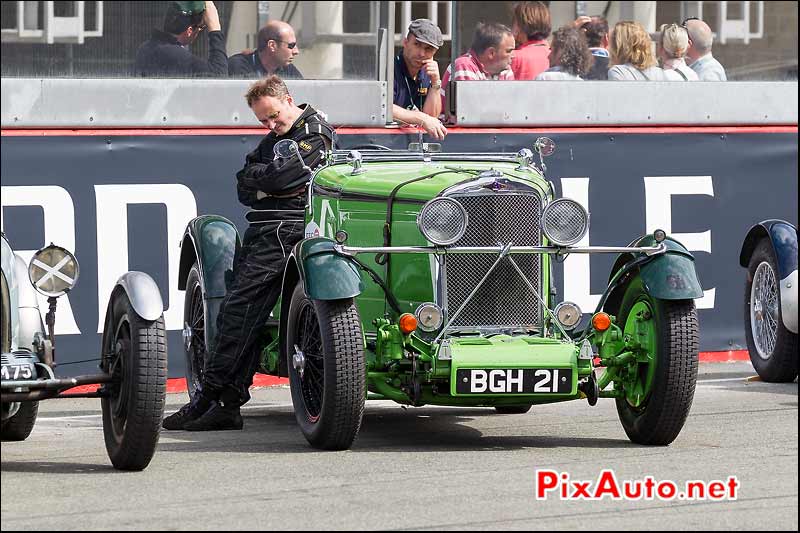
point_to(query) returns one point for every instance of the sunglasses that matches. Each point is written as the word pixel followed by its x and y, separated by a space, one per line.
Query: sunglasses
pixel 289 45
pixel 686 20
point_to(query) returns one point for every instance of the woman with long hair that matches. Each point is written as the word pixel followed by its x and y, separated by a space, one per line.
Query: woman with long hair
pixel 569 55
pixel 631 54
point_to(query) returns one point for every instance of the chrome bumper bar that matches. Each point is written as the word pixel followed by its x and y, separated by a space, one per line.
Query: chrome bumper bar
pixel 504 249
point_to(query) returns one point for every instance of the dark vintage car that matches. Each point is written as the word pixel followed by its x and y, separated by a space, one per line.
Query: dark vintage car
pixel 769 253
pixel 133 361
pixel 427 278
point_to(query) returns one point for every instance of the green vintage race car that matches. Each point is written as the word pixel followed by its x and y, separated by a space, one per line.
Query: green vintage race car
pixel 425 278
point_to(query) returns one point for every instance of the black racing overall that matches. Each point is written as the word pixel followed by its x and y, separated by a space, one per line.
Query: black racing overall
pixel 276 192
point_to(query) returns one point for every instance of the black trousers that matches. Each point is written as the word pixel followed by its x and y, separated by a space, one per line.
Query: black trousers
pixel 256 286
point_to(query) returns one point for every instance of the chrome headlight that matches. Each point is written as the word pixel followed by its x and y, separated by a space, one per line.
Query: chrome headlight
pixel 568 315
pixel 53 271
pixel 565 222
pixel 429 317
pixel 442 221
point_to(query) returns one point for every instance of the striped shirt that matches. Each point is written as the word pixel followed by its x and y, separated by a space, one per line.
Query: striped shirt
pixel 467 67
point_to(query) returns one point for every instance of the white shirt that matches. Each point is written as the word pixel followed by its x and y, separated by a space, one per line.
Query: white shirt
pixel 709 69
pixel 673 66
pixel 628 72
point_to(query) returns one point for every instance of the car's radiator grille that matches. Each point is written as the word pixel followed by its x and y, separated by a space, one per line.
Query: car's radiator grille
pixel 504 300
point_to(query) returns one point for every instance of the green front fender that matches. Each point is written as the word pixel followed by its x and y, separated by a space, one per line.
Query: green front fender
pixel 667 276
pixel 327 275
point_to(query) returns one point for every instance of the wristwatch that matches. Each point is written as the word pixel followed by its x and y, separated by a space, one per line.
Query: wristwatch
pixel 436 86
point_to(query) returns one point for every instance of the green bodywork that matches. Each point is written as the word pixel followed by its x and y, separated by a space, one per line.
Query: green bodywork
pixel 419 368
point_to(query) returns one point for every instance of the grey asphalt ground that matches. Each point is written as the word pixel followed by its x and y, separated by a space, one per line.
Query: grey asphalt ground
pixel 415 468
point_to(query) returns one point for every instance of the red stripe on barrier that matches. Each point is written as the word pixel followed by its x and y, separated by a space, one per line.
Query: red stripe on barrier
pixel 394 131
pixel 262 380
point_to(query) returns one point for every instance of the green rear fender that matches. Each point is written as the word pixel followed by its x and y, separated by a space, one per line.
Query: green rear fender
pixel 668 276
pixel 327 275
pixel 212 241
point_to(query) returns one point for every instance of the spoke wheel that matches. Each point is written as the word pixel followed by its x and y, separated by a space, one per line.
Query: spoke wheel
pixel 772 347
pixel 327 373
pixel 194 331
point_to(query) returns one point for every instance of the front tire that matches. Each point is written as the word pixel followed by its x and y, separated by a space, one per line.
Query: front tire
pixel 327 371
pixel 134 407
pixel 772 347
pixel 659 393
pixel 19 426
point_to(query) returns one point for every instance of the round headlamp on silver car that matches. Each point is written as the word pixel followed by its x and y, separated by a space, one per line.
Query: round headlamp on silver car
pixel 53 271
pixel 442 221
pixel 568 315
pixel 565 222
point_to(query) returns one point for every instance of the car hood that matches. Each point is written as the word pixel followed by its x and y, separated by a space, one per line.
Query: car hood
pixel 380 179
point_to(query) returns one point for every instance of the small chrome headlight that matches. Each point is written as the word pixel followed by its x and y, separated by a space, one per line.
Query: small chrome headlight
pixel 442 221
pixel 53 271
pixel 568 315
pixel 565 222
pixel 429 316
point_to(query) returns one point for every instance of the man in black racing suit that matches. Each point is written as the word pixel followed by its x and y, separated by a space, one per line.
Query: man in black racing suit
pixel 275 189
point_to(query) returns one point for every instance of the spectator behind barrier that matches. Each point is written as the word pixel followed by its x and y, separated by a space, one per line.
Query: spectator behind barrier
pixel 166 53
pixel 596 31
pixel 631 54
pixel 530 27
pixel 569 55
pixel 699 55
pixel 488 59
pixel 416 79
pixel 277 48
pixel 671 44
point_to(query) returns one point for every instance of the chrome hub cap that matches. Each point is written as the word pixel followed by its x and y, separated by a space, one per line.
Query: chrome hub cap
pixel 299 361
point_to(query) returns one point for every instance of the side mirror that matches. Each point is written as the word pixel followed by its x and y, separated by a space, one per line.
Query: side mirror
pixel 544 146
pixel 53 271
pixel 287 148
pixel 430 148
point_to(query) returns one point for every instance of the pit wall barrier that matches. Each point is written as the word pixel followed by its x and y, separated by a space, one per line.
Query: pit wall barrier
pixel 120 199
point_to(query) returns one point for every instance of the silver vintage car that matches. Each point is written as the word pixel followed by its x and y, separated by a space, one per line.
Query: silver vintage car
pixel 133 361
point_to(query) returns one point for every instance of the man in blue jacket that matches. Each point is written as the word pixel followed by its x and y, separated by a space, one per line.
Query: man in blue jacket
pixel 166 54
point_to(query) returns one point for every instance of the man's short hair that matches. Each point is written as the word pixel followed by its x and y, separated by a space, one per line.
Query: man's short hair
pixel 595 30
pixel 533 19
pixel 182 15
pixel 268 33
pixel 272 86
pixel 488 35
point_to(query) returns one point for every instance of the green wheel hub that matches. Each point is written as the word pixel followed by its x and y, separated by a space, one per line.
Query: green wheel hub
pixel 641 336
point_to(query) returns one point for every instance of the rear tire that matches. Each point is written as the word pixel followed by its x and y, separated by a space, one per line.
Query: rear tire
pixel 329 396
pixel 194 347
pixel 772 347
pixel 19 426
pixel 660 416
pixel 133 411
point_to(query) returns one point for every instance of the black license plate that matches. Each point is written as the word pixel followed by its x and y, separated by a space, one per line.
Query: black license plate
pixel 15 372
pixel 514 381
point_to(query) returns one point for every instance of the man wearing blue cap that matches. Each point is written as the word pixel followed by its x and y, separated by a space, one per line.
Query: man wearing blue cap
pixel 166 53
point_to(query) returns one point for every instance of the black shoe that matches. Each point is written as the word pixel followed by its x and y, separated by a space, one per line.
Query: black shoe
pixel 218 418
pixel 191 411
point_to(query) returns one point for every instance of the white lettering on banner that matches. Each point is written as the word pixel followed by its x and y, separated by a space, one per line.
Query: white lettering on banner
pixel 59 228
pixel 659 191
pixel 576 267
pixel 112 238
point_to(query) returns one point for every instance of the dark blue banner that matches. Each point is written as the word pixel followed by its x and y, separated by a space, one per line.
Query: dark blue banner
pixel 121 203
